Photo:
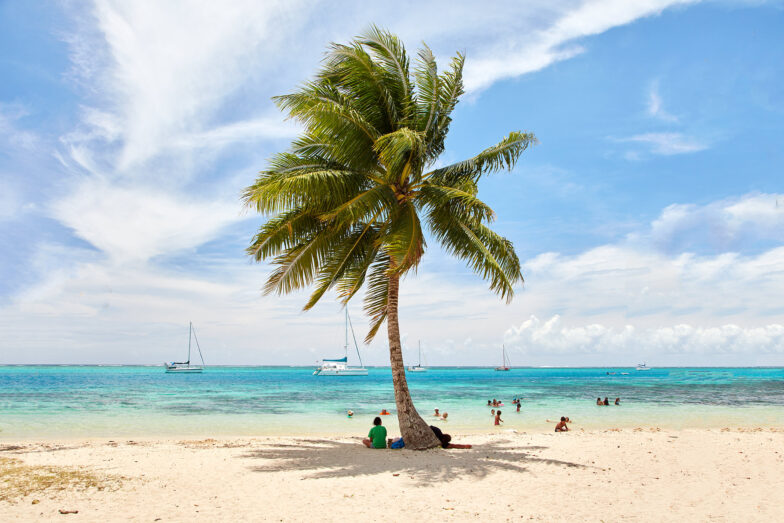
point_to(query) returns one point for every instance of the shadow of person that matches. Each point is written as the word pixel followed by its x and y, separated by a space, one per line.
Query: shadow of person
pixel 317 458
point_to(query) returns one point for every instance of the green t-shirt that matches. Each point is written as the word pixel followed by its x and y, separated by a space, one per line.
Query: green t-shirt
pixel 378 435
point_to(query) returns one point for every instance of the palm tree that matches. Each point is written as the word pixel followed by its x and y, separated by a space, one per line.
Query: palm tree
pixel 346 203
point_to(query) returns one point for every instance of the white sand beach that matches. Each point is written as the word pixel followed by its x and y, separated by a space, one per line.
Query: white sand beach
pixel 643 474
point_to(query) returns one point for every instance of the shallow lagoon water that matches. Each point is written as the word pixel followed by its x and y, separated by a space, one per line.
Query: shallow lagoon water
pixel 135 401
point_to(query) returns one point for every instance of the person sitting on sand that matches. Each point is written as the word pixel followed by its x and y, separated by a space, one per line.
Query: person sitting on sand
pixel 498 419
pixel 561 427
pixel 436 414
pixel 377 437
pixel 606 401
pixel 617 401
pixel 599 402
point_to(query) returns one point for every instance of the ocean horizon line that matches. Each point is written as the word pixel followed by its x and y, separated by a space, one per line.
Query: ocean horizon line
pixel 265 365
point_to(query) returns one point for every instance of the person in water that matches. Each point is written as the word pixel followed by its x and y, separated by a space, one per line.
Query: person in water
pixel 492 412
pixel 561 426
pixel 606 401
pixel 617 401
pixel 489 403
pixel 498 419
pixel 350 413
pixel 384 412
pixel 446 414
pixel 599 402
pixel 377 437
pixel 518 406
pixel 436 414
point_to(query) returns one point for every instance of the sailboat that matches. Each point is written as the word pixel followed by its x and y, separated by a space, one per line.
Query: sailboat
pixel 418 367
pixel 339 366
pixel 185 366
pixel 506 365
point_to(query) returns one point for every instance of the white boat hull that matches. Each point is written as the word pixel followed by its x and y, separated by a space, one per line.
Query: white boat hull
pixel 191 369
pixel 341 372
pixel 417 369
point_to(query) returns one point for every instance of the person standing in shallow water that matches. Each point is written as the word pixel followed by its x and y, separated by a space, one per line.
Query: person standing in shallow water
pixel 498 419
pixel 377 437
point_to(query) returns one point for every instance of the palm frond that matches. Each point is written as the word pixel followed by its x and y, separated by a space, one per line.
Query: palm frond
pixel 405 242
pixel 500 156
pixel 400 152
pixel 377 294
pixel 390 54
pixel 450 91
pixel 350 251
pixel 427 81
pixel 486 253
pixel 462 201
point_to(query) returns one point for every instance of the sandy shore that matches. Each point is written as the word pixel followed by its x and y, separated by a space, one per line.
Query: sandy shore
pixel 614 475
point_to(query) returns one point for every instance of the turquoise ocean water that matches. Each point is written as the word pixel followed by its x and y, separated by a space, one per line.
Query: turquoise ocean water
pixel 134 401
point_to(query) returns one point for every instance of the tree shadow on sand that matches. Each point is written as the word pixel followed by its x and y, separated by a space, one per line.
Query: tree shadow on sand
pixel 317 458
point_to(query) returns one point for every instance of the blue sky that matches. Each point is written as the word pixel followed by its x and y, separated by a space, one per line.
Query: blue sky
pixel 650 217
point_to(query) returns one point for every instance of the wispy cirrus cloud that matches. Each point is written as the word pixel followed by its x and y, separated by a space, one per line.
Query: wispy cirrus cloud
pixel 656 105
pixel 666 144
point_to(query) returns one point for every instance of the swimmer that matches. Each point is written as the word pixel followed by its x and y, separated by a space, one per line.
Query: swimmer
pixel 350 413
pixel 498 419
pixel 617 401
pixel 599 402
pixel 436 414
pixel 445 416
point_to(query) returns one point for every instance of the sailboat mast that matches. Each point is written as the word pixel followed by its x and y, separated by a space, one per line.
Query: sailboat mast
pixel 345 345
pixel 420 352
pixel 190 330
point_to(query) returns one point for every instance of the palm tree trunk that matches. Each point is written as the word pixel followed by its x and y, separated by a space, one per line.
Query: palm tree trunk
pixel 416 433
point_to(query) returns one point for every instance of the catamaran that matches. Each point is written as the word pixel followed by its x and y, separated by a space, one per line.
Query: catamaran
pixel 506 365
pixel 418 367
pixel 339 366
pixel 185 366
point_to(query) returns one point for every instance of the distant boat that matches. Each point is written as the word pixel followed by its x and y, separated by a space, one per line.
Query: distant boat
pixel 339 366
pixel 185 366
pixel 643 366
pixel 418 367
pixel 506 365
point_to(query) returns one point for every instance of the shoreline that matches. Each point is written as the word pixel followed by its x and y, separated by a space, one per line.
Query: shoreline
pixel 613 474
pixel 169 438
